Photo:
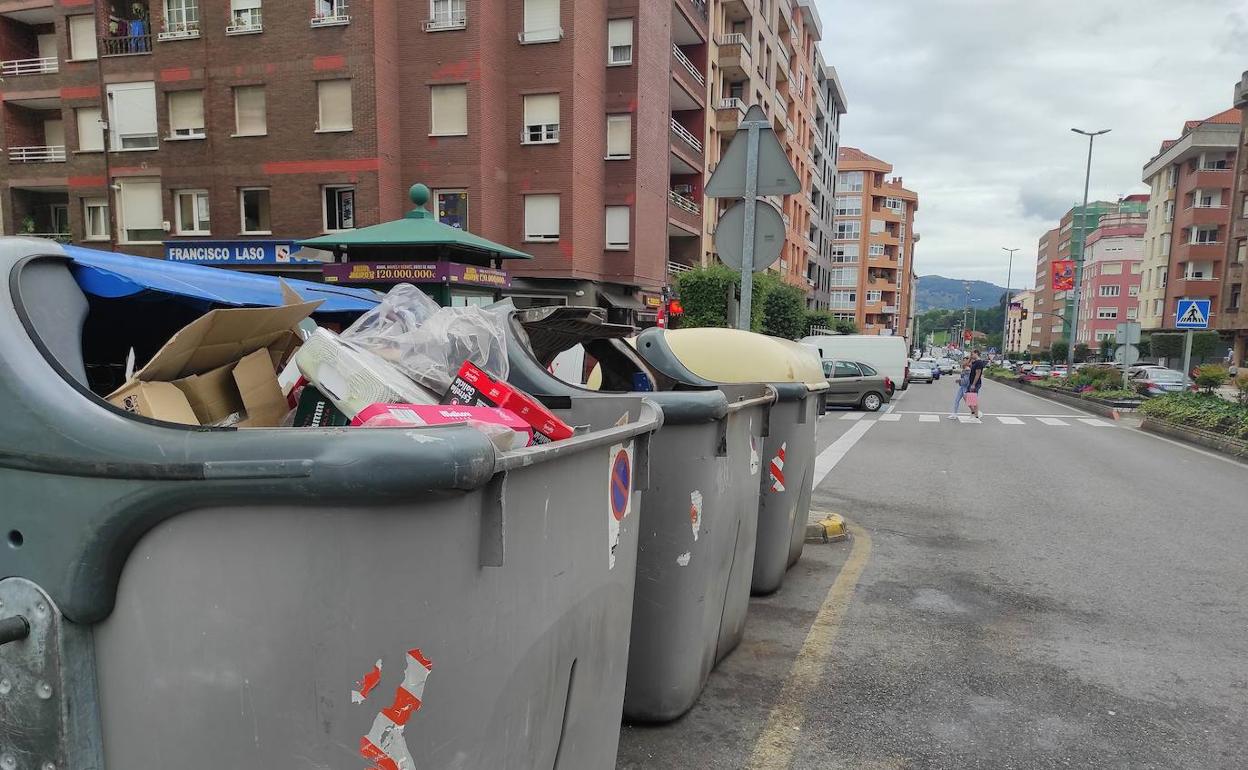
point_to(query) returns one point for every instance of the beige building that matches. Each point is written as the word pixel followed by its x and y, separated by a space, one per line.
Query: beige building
pixel 1157 235
pixel 1019 338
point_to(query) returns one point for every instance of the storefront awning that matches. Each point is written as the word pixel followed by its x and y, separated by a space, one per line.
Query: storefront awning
pixel 621 301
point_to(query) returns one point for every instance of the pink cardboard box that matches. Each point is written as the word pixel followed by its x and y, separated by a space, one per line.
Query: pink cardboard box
pixel 416 415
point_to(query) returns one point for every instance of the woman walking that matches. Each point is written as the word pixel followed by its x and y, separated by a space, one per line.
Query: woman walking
pixel 964 382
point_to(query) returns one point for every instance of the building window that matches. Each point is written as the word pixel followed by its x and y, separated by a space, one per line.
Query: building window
pixel 842 300
pixel 186 114
pixel 1169 215
pixel 1133 313
pixel 895 205
pixel 181 19
pixel 877 226
pixel 330 12
pixel 1110 290
pixel 541 119
pixel 95 219
pixel 849 181
pixel 132 116
pixel 333 100
pixel 90 129
pixel 191 211
pixel 619 137
pixel 619 42
pixel 253 204
pixel 1133 291
pixel 845 253
pixel 541 21
pixel 449 110
pixel 452 208
pixel 245 16
pixel 447 14
pixel 1111 268
pixel 541 217
pixel 617 228
pixel 1106 313
pixel 875 296
pixel 1204 235
pixel 847 206
pixel 1158 306
pixel 876 250
pixel 847 231
pixel 82 38
pixel 1241 255
pixel 142 216
pixel 339 208
pixel 1233 296
pixel 249 111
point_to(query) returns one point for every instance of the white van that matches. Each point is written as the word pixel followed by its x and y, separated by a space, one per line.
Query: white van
pixel 886 354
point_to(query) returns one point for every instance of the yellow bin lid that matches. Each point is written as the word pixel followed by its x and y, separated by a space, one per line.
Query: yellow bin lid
pixel 734 355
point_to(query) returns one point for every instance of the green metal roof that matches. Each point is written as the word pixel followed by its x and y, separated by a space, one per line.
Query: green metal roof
pixel 417 228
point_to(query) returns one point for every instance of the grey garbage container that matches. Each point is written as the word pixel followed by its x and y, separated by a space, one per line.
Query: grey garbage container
pixel 246 599
pixel 708 356
pixel 696 547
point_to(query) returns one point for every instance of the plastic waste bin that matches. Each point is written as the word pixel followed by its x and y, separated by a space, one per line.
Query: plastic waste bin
pixel 696 547
pixel 217 598
pixel 708 356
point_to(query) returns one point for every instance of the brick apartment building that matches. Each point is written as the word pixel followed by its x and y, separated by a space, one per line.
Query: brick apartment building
pixel 872 278
pixel 1233 318
pixel 1045 325
pixel 1109 294
pixel 1190 194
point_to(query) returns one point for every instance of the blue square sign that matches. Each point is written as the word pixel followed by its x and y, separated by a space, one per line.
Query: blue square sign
pixel 1192 314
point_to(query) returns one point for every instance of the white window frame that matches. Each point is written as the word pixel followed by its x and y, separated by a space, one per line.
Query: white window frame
pixel 844 183
pixel 875 296
pixel 201 132
pixel 852 228
pixel 839 253
pixel 264 93
pixel 1109 290
pixel 196 227
pixel 540 133
pixel 181 20
pixel 242 211
pixel 1198 233
pixel 627 119
pixel 95 203
pixel 543 237
pixel 839 208
pixel 118 140
pixel 1133 291
pixel 320 108
pixel 434 128
pixel 876 250
pixel 77 21
pixel 532 33
pixel 618 245
pixel 338 188
pixel 1106 313
pixel 437 203
pixel 447 15
pixel 246 17
pixel 1133 313
pixel 615 44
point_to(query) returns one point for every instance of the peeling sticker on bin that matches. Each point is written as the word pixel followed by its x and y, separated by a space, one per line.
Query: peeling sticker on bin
pixel 619 495
pixel 754 458
pixel 683 559
pixel 366 684
pixel 695 512
pixel 385 745
pixel 777 469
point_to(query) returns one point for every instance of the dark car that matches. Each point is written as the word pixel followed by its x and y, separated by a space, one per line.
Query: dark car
pixel 853 383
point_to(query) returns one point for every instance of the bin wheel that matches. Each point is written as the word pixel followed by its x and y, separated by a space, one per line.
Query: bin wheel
pixel 872 401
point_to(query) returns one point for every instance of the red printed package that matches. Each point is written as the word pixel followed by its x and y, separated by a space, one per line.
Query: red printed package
pixel 411 415
pixel 475 387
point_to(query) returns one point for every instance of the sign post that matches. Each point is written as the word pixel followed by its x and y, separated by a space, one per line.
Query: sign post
pixel 754 164
pixel 1191 314
pixel 1128 335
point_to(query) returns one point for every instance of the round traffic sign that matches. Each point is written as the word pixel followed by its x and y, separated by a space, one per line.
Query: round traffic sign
pixel 1130 352
pixel 768 235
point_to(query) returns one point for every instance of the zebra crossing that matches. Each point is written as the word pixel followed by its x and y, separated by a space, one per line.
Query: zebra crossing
pixel 1044 420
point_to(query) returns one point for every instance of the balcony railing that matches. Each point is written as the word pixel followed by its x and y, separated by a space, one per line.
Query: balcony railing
pixel 676 267
pixel 54 153
pixel 334 18
pixel 889 310
pixel 445 21
pixel 246 25
pixel 14 67
pixel 682 202
pixel 734 38
pixel 180 30
pixel 731 103
pixel 684 60
pixel 684 134
pixel 126 45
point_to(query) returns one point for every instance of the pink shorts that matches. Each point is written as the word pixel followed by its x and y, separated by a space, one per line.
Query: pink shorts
pixel 972 400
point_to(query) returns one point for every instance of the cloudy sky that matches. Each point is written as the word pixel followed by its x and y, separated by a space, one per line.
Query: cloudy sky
pixel 972 101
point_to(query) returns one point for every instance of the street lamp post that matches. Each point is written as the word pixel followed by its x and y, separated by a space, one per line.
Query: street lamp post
pixel 1083 237
pixel 1005 324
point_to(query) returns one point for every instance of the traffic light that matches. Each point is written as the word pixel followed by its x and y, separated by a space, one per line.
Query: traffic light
pixel 1024 314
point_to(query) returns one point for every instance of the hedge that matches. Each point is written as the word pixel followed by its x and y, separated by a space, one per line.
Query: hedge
pixel 778 309
pixel 1198 410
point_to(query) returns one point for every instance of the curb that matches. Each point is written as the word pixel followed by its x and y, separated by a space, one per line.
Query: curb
pixel 1126 416
pixel 830 529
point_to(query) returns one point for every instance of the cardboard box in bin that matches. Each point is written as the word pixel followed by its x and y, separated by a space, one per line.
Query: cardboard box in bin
pixel 220 364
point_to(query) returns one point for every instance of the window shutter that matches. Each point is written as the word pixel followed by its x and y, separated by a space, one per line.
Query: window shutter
pixel 334 97
pixel 141 206
pixel 541 19
pixel 132 110
pixel 249 110
pixel 450 110
pixel 90 131
pixel 186 111
pixel 244 5
pixel 541 217
pixel 619 40
pixel 541 109
pixel 82 37
pixel 619 136
pixel 617 227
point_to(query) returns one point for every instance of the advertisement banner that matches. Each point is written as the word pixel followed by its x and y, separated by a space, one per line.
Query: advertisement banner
pixel 1063 275
pixel 416 272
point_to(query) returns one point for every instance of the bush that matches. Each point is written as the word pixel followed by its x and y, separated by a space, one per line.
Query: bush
pixel 784 311
pixel 704 295
pixel 1057 353
pixel 1113 394
pixel 1198 410
pixel 1241 389
pixel 778 308
pixel 1211 377
pixel 1098 378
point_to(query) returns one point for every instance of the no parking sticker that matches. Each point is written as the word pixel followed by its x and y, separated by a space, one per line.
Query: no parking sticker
pixel 619 495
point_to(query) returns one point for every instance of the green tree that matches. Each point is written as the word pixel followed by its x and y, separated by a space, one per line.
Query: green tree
pixel 777 308
pixel 704 295
pixel 1107 349
pixel 1081 352
pixel 1057 353
pixel 784 311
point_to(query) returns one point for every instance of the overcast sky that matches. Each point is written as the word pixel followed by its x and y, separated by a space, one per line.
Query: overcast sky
pixel 972 102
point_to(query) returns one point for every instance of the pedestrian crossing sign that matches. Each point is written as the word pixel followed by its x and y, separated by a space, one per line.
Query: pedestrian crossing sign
pixel 1192 314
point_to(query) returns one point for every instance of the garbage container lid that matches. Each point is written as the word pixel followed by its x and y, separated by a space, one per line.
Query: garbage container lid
pixel 734 355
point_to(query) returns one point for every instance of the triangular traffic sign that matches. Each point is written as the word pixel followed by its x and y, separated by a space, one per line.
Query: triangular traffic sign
pixel 1193 317
pixel 775 174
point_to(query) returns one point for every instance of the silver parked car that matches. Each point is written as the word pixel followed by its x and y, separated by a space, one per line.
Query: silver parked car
pixel 853 383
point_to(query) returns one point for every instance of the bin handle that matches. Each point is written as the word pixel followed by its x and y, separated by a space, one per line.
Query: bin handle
pixel 767 399
pixel 493 535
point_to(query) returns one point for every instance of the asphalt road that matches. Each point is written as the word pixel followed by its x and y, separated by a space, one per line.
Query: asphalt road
pixel 1044 589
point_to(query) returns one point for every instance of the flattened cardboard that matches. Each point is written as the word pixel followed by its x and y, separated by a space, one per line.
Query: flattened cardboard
pixel 257 385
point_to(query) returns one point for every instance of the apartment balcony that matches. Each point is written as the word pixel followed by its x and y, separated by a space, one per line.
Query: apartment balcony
pixel 736 60
pixel 728 115
pixel 179 30
pixel 126 45
pixel 686 78
pixel 684 215
pixel 1211 178
pixel 39 211
pixel 738 10
pixel 38 154
pixel 1203 287
pixel 1206 215
pixel 1195 252
pixel 688 155
pixel 10 68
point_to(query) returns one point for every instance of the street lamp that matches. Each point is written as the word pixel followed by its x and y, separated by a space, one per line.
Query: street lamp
pixel 1087 180
pixel 1005 323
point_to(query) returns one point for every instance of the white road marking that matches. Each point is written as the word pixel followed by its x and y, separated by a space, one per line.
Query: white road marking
pixel 966 418
pixel 929 418
pixel 1095 422
pixel 1004 414
pixel 852 416
pixel 828 458
pixel 1007 420
pixel 890 418
pixel 1052 421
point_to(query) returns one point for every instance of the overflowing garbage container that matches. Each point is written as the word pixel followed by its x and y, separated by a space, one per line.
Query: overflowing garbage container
pixel 176 594
pixel 698 526
pixel 711 356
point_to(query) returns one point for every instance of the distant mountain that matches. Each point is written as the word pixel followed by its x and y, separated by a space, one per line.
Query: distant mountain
pixel 939 293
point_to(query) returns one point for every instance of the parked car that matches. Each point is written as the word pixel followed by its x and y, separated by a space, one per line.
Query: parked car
pixel 886 354
pixel 921 371
pixel 947 365
pixel 935 367
pixel 1156 381
pixel 856 384
pixel 1037 372
pixel 1059 372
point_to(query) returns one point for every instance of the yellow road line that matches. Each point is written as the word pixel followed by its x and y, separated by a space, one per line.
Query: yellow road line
pixel 778 741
